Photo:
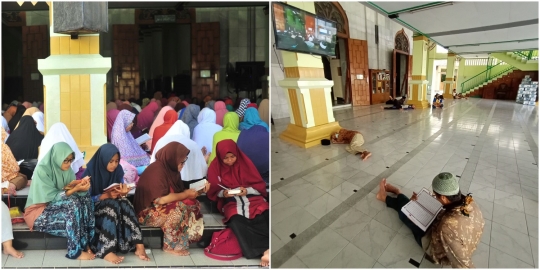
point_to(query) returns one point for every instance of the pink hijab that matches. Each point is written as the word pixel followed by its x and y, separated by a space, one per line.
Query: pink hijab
pixel 111 117
pixel 146 116
pixel 158 122
pixel 27 104
pixel 221 110
pixel 185 103
pixel 118 103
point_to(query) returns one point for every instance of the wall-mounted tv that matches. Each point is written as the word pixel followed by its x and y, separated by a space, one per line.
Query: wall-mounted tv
pixel 300 31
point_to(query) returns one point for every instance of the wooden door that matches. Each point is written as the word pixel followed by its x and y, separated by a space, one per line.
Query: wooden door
pixel 358 65
pixel 125 66
pixel 35 42
pixel 404 82
pixel 204 57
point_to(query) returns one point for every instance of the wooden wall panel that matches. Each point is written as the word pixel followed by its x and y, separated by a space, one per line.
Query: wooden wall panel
pixel 204 56
pixel 358 64
pixel 35 40
pixel 125 60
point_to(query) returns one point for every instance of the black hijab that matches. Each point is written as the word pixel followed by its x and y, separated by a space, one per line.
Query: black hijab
pixel 17 117
pixel 101 178
pixel 25 140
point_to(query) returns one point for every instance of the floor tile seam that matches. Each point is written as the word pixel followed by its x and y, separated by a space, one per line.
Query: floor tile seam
pixel 289 250
pixel 508 255
pixel 530 141
pixel 342 155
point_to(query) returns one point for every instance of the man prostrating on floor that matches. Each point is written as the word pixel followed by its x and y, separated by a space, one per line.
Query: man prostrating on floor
pixel 354 138
pixel 454 235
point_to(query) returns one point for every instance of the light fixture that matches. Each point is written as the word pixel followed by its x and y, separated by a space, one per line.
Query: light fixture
pixel 34 2
pixel 20 3
pixel 431 7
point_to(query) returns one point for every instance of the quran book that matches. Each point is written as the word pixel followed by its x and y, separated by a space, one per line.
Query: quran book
pixel 424 210
pixel 130 186
pixel 143 138
pixel 199 185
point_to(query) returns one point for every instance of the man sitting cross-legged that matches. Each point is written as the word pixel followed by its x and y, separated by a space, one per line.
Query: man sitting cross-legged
pixel 454 235
pixel 354 139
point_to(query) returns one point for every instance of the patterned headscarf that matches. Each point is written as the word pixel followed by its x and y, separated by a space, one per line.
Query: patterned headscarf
pixel 128 147
pixel 243 106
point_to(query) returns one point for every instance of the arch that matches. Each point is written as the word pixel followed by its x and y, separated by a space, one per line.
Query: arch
pixel 334 12
pixel 401 42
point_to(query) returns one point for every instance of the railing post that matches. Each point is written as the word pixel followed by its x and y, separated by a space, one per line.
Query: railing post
pixel 530 55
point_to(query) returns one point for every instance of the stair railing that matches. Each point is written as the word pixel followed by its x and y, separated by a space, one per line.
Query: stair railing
pixel 482 77
pixel 527 55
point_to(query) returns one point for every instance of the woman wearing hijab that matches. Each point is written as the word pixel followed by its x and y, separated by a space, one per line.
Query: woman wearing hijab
pixel 42 107
pixel 40 124
pixel 17 117
pixel 196 167
pixel 60 206
pixel 162 200
pixel 168 120
pixel 111 117
pixel 118 103
pixel 179 106
pixel 246 213
pixel 251 118
pixel 136 107
pixel 25 140
pixel 254 143
pixel 242 107
pixel 158 95
pixel 117 226
pixel 27 104
pixel 164 101
pixel 30 111
pixel 185 102
pixel 146 116
pixel 121 137
pixel 220 109
pixel 252 105
pixel 264 112
pixel 59 133
pixel 203 134
pixel 10 112
pixel 145 102
pixel 159 120
pixel 230 130
pixel 112 106
pixel 210 104
pixel 190 117
pixel 10 169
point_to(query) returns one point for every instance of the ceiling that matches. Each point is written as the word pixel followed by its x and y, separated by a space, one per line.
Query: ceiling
pixel 27 6
pixel 469 28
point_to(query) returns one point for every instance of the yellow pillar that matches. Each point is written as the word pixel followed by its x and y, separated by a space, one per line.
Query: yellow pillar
pixel 419 82
pixel 460 75
pixel 308 93
pixel 449 84
pixel 74 78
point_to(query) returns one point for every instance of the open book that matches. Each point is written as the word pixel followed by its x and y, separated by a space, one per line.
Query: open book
pixel 198 185
pixel 424 210
pixel 143 138
pixel 130 186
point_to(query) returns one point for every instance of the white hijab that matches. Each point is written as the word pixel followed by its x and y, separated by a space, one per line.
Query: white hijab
pixel 38 117
pixel 203 134
pixel 195 167
pixel 136 106
pixel 59 133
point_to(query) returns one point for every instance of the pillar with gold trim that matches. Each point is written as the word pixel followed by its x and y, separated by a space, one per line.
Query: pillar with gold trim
pixel 449 83
pixel 308 94
pixel 74 78
pixel 418 84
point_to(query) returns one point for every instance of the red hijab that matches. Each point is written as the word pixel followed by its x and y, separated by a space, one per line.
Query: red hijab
pixel 146 116
pixel 241 174
pixel 169 120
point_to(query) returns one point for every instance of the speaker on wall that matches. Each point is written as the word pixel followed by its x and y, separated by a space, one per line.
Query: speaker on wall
pixel 376 34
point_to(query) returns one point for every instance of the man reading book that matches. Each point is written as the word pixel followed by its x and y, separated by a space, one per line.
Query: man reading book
pixel 454 235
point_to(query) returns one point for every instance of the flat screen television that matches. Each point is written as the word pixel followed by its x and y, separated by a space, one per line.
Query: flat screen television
pixel 300 31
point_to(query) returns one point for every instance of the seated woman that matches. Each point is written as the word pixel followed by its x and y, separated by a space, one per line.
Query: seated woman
pixel 157 121
pixel 168 120
pixel 264 111
pixel 162 200
pixel 190 117
pixel 12 123
pixel 195 168
pixel 60 205
pixel 30 111
pixel 205 130
pixel 231 121
pixel 111 117
pixel 59 133
pixel 10 169
pixel 7 234
pixel 117 227
pixel 252 118
pixel 130 150
pixel 242 107
pixel 25 140
pixel 454 235
pixel 245 213
pixel 254 142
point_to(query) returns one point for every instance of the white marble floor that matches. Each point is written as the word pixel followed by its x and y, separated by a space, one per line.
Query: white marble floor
pixel 324 211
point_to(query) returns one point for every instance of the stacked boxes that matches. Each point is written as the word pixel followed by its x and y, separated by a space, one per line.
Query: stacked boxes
pixel 527 92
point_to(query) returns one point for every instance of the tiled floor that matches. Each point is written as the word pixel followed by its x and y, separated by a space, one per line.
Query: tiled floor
pixel 56 258
pixel 324 211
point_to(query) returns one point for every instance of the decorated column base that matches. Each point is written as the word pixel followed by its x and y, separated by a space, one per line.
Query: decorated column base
pixel 448 88
pixel 418 94
pixel 312 117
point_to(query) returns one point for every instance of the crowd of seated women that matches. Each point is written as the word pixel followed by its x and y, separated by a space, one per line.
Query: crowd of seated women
pixel 189 142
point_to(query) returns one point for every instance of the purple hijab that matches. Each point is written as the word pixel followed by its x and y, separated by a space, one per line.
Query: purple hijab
pixel 111 117
pixel 254 142
pixel 129 149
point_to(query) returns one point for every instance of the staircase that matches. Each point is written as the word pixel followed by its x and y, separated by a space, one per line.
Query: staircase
pixel 471 86
pixel 39 245
pixel 523 60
